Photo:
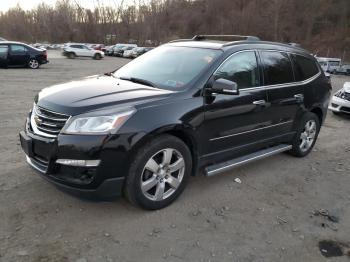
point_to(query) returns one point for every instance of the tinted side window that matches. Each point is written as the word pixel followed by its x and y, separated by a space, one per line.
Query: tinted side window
pixel 277 68
pixel 18 49
pixel 304 68
pixel 241 68
pixel 76 46
pixel 3 51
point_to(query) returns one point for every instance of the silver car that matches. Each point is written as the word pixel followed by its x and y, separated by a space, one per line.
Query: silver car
pixel 341 100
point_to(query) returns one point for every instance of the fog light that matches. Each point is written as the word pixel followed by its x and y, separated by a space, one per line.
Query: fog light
pixel 75 162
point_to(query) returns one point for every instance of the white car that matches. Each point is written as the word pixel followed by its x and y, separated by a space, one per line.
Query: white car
pixel 129 53
pixel 341 100
pixel 81 50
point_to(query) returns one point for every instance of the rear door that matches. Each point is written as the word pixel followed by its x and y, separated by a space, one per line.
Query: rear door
pixel 18 55
pixel 3 55
pixel 77 49
pixel 86 51
pixel 285 95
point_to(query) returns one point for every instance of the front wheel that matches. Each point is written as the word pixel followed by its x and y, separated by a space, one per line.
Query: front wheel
pixel 306 135
pixel 159 173
pixel 33 64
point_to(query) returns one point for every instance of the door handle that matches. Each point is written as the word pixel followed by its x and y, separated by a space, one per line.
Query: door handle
pixel 299 97
pixel 259 102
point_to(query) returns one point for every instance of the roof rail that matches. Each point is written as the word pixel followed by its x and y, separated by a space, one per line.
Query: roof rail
pixel 180 40
pixel 294 44
pixel 220 37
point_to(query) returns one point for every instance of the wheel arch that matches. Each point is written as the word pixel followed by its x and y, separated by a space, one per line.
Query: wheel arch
pixel 178 131
pixel 318 111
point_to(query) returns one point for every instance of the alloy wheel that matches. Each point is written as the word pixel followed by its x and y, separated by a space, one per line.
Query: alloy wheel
pixel 33 64
pixel 162 174
pixel 308 135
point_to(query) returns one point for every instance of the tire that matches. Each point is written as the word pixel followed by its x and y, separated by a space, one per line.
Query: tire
pixel 33 63
pixel 306 135
pixel 71 55
pixel 143 187
pixel 97 56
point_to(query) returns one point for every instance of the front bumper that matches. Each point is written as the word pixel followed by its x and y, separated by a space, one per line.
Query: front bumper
pixel 109 189
pixel 339 105
pixel 103 182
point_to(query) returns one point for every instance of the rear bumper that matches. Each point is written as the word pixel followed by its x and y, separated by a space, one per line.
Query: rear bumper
pixel 44 62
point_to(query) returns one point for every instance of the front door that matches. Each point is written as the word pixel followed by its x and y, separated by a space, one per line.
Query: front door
pixel 234 124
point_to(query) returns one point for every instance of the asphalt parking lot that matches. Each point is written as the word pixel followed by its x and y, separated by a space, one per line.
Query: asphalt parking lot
pixel 280 212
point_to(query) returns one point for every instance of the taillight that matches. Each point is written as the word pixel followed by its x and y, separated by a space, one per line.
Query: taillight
pixel 45 54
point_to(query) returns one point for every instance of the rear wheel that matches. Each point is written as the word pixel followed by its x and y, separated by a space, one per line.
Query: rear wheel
pixel 97 56
pixel 71 55
pixel 33 64
pixel 159 173
pixel 306 135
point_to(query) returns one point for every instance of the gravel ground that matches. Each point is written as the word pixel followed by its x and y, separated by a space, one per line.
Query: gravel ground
pixel 270 216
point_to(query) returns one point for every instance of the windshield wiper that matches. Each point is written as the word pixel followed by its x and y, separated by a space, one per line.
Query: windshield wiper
pixel 138 80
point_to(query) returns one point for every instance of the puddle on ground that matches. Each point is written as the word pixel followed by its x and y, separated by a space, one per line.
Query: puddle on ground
pixel 330 248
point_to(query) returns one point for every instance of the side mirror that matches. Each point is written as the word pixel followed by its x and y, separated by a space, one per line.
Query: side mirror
pixel 225 87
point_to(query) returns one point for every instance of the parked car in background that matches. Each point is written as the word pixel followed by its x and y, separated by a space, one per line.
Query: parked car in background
pixel 73 50
pixel 187 106
pixel 16 54
pixel 119 49
pixel 109 50
pixel 330 65
pixel 41 46
pixel 128 52
pixel 343 70
pixel 98 47
pixel 340 102
pixel 140 51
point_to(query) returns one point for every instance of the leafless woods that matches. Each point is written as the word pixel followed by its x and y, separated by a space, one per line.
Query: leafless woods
pixel 323 26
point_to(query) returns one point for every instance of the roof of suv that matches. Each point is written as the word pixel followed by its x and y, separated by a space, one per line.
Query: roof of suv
pixel 201 42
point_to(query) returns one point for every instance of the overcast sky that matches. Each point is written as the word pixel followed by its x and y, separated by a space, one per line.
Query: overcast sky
pixel 29 4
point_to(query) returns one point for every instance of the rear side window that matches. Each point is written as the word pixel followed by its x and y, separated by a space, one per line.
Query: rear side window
pixel 304 68
pixel 241 68
pixel 76 46
pixel 18 49
pixel 277 68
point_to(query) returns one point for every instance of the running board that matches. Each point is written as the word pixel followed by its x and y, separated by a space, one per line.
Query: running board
pixel 225 166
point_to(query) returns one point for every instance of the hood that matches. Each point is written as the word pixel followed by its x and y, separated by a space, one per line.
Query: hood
pixel 96 92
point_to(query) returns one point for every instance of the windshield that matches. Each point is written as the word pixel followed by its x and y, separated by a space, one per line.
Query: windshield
pixel 169 67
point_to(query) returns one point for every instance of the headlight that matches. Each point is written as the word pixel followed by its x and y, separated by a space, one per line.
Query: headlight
pixel 98 123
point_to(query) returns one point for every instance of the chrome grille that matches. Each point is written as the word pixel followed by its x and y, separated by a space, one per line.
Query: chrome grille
pixel 46 122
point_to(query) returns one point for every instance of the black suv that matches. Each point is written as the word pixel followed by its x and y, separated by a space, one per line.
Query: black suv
pixel 187 106
pixel 15 54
